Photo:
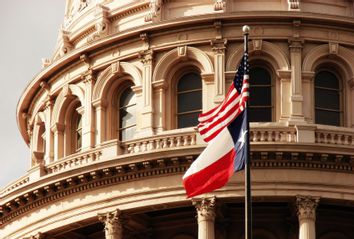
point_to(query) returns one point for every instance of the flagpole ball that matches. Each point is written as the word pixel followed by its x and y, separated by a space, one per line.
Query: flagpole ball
pixel 246 29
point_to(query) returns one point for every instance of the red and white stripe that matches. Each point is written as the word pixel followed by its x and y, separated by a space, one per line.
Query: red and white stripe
pixel 214 166
pixel 214 121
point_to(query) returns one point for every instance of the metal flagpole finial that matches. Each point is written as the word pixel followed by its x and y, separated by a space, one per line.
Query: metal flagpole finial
pixel 246 29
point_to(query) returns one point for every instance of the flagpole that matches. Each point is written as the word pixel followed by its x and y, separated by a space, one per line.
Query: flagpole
pixel 248 197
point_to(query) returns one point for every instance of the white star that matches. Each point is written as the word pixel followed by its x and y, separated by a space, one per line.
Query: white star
pixel 242 139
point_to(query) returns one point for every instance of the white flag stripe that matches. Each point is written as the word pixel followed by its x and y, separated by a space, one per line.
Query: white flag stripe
pixel 212 129
pixel 218 147
pixel 217 110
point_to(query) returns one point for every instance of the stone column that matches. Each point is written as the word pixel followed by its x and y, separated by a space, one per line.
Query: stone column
pixel 159 89
pixel 296 84
pixel 88 131
pixel 112 224
pixel 306 211
pixel 58 131
pixel 219 47
pixel 206 217
pixel 146 127
pixel 100 106
pixel 49 146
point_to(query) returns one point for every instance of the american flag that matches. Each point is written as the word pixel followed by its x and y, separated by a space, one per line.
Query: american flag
pixel 216 119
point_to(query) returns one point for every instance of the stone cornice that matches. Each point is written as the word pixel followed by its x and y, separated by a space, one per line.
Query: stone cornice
pixel 90 180
pixel 100 176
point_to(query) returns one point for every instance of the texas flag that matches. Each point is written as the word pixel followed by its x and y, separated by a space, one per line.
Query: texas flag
pixel 225 128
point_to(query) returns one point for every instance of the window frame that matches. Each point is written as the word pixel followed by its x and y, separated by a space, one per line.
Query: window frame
pixel 269 69
pixel 117 112
pixel 340 91
pixel 177 78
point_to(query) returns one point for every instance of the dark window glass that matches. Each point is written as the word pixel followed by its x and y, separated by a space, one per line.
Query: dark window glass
pixel 189 100
pixel 327 79
pixel 327 99
pixel 260 101
pixel 78 132
pixel 127 115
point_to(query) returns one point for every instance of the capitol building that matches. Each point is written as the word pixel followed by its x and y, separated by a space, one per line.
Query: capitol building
pixel 111 120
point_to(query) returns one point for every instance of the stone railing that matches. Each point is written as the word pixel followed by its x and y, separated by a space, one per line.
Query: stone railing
pixel 272 134
pixel 334 136
pixel 15 185
pixel 164 141
pixel 73 161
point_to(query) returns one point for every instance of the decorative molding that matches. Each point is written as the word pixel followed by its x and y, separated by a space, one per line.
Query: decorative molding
pixel 146 57
pixel 66 46
pixel 39 235
pixel 107 75
pixel 306 207
pixel 220 5
pixel 257 45
pixel 269 49
pixel 94 179
pixel 102 25
pixel 333 48
pixel 154 11
pixel 295 45
pixel 219 46
pixel 112 224
pixel 205 208
pixel 218 30
pixel 144 5
pixel 294 5
pixel 182 51
pixel 169 60
pixel 120 173
pixel 46 62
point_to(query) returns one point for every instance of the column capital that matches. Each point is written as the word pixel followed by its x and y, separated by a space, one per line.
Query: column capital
pixel 219 46
pixel 295 44
pixel 87 76
pixel 146 57
pixel 205 209
pixel 113 223
pixel 306 207
pixel 37 236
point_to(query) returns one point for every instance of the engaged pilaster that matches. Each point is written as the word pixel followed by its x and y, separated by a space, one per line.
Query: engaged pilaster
pixel 146 57
pixel 112 224
pixel 88 130
pixel 206 217
pixel 219 47
pixel 295 45
pixel 306 211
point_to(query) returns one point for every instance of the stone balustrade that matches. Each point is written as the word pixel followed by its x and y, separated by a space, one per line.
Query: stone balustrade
pixel 73 161
pixel 175 139
pixel 15 185
pixel 161 142
pixel 334 136
pixel 273 134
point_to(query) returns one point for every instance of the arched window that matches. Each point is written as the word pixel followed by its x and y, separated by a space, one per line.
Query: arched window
pixel 260 101
pixel 76 127
pixel 189 100
pixel 127 114
pixel 327 99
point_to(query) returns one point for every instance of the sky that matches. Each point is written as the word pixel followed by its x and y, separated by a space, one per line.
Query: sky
pixel 28 33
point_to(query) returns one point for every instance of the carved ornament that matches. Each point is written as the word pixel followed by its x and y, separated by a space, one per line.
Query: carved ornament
pixel 306 207
pixel 220 5
pixel 112 222
pixel 205 209
pixel 154 11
